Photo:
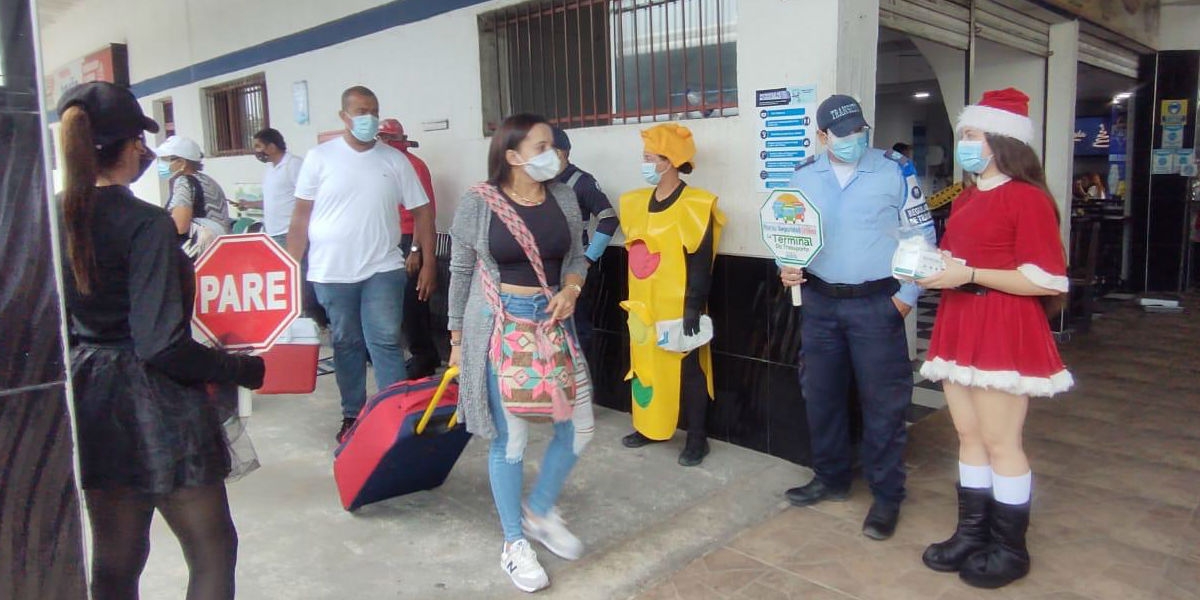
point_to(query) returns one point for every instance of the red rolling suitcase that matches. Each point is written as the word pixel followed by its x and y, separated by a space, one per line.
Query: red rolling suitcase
pixel 407 439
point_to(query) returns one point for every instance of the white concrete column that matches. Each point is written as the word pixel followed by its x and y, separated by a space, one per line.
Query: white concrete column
pixel 858 38
pixel 998 66
pixel 1061 79
pixel 950 66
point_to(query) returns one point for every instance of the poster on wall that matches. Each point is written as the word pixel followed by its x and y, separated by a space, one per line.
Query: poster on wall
pixel 1185 161
pixel 1172 136
pixel 1092 137
pixel 300 102
pixel 110 64
pixel 787 132
pixel 1174 112
pixel 1120 133
pixel 1163 162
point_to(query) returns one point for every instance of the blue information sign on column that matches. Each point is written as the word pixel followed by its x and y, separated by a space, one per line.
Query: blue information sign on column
pixel 786 118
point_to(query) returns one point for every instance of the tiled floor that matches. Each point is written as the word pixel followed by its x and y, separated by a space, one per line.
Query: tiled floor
pixel 927 395
pixel 1116 500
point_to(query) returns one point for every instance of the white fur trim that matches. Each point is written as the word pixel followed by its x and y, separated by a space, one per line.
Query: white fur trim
pixel 1012 382
pixel 997 121
pixel 987 184
pixel 1041 278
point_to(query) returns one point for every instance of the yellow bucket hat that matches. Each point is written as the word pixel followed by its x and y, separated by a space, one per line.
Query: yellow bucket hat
pixel 672 141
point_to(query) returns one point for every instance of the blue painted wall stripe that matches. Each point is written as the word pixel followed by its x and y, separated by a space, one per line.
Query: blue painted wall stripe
pixel 367 22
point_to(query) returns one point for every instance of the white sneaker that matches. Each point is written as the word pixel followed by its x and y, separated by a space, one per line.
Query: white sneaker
pixel 521 563
pixel 552 532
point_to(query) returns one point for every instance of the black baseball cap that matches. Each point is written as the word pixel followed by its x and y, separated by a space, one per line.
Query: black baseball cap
pixel 840 115
pixel 113 111
pixel 561 141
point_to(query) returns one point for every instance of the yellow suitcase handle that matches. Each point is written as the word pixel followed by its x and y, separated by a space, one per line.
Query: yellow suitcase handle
pixel 449 376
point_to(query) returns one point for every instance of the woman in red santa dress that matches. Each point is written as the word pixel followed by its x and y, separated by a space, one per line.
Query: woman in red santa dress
pixel 991 346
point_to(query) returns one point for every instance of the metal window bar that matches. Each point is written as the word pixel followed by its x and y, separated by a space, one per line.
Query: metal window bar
pixel 653 36
pixel 540 68
pixel 666 14
pixel 637 67
pixel 632 61
pixel 562 62
pixel 236 110
pixel 596 74
pixel 703 70
pixel 720 60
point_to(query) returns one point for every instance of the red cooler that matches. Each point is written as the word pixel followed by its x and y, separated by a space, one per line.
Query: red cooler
pixel 292 361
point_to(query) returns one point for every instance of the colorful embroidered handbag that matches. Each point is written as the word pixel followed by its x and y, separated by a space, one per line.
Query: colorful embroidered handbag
pixel 534 362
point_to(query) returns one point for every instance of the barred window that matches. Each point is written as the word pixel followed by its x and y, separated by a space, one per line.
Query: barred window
pixel 234 112
pixel 583 63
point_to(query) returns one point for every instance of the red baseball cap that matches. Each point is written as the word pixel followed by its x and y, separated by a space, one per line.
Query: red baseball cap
pixel 393 128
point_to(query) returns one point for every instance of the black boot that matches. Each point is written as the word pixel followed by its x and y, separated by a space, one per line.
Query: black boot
pixel 637 440
pixel 971 535
pixel 1006 559
pixel 694 451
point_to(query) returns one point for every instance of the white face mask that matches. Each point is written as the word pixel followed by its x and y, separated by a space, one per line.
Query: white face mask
pixel 544 166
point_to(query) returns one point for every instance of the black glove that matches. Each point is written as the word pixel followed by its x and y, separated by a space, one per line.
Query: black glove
pixel 691 322
pixel 250 371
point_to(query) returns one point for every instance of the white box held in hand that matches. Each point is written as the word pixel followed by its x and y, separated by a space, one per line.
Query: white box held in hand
pixel 915 258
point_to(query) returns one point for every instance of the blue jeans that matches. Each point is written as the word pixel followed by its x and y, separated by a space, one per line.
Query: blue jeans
pixel 863 337
pixel 507 472
pixel 365 316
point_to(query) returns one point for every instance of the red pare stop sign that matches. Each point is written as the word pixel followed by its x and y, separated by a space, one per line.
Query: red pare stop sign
pixel 247 292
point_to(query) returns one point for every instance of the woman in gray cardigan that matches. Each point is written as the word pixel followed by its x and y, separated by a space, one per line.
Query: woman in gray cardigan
pixel 521 165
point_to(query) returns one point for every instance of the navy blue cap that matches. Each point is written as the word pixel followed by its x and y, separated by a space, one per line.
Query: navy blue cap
pixel 840 115
pixel 113 111
pixel 561 141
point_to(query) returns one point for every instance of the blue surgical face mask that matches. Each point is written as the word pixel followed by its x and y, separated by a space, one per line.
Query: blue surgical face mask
pixel 650 173
pixel 164 169
pixel 970 156
pixel 364 128
pixel 851 148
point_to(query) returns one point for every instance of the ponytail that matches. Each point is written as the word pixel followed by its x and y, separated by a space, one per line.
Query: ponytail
pixel 78 200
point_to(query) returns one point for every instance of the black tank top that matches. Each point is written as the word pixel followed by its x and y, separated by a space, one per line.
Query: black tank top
pixel 548 225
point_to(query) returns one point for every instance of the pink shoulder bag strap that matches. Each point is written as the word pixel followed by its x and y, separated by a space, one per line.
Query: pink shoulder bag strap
pixel 534 362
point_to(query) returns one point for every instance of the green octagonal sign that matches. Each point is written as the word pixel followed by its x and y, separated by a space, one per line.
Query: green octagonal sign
pixel 791 227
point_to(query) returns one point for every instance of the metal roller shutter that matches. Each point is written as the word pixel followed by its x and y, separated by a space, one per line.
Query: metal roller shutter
pixel 943 21
pixel 1109 51
pixel 1018 24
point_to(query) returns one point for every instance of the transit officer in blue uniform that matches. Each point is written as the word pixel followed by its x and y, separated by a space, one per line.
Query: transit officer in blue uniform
pixel 853 311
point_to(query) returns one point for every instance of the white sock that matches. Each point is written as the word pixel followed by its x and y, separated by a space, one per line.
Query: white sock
pixel 1012 490
pixel 976 478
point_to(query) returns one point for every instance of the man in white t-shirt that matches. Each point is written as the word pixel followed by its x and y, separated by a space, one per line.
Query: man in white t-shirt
pixel 278 183
pixel 278 201
pixel 347 216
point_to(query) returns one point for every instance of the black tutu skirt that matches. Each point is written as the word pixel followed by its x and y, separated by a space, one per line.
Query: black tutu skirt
pixel 143 430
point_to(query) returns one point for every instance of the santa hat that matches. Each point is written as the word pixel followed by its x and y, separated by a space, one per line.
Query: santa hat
pixel 1000 112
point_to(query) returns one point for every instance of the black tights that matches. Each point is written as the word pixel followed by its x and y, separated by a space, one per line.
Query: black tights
pixel 694 399
pixel 199 517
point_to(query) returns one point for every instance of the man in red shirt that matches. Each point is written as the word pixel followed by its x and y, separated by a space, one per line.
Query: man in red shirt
pixel 417 318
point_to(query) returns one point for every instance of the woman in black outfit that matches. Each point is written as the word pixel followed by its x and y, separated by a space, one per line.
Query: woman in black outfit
pixel 150 437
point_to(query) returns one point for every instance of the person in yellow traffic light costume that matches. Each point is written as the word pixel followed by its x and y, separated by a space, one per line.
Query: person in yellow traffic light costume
pixel 671 233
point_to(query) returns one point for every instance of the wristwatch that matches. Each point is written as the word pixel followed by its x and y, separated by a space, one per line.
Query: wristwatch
pixel 415 249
